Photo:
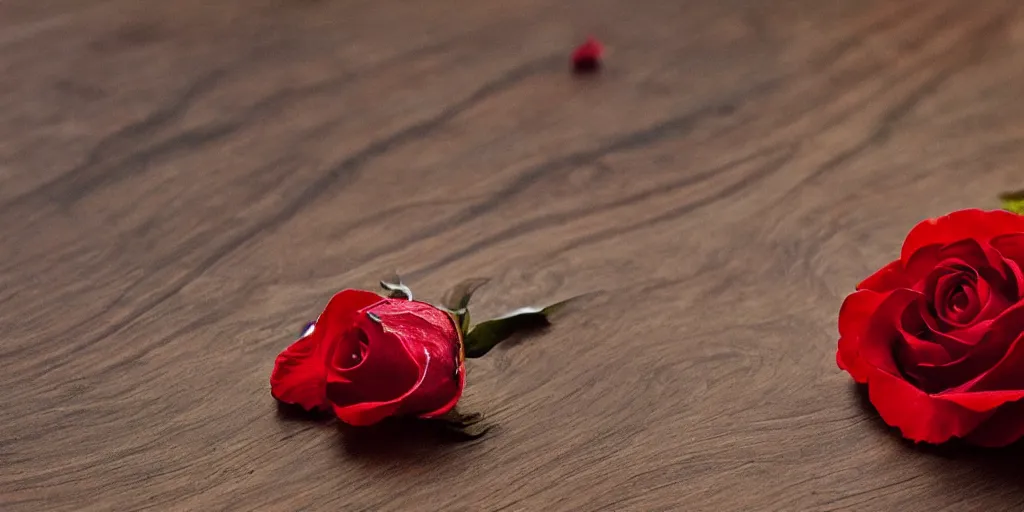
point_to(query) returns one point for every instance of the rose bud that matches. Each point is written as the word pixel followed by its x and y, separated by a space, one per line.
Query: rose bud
pixel 938 334
pixel 368 357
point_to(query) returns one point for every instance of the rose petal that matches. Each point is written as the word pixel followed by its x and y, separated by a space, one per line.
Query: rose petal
pixel 920 265
pixel 980 369
pixel 940 376
pixel 435 331
pixel 981 401
pixel 970 253
pixel 409 369
pixel 881 332
pixel 1011 247
pixel 971 224
pixel 994 301
pixel 919 416
pixel 854 315
pixel 388 369
pixel 886 278
pixel 422 325
pixel 946 287
pixel 450 404
pixel 363 414
pixel 297 377
pixel 957 341
pixel 923 354
pixel 990 268
pixel 1003 344
pixel 299 371
pixel 915 353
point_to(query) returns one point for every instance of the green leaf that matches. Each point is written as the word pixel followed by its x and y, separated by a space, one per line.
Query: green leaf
pixel 1013 201
pixel 486 335
pixel 457 299
pixel 395 288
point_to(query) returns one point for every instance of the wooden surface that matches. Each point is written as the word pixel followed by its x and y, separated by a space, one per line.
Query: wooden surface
pixel 184 184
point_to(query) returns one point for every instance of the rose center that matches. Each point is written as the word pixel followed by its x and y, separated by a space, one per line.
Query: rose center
pixel 959 301
pixel 956 298
pixel 352 349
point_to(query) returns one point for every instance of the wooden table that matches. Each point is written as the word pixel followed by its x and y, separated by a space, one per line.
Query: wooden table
pixel 184 184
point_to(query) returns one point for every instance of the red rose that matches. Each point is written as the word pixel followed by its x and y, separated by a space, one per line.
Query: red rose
pixel 938 335
pixel 368 357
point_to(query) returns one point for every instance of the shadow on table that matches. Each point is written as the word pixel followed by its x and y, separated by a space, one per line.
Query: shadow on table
pixel 293 413
pixel 396 439
pixel 999 464
pixel 392 439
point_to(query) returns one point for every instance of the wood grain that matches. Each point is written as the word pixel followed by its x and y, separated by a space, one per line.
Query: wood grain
pixel 184 184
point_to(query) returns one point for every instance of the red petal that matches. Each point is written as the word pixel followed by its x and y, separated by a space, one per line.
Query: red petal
pixel 1003 344
pixel 920 265
pixel 854 316
pixel 450 404
pixel 409 366
pixel 882 331
pixel 422 326
pixel 1012 248
pixel 362 414
pixel 367 413
pixel 299 375
pixel 914 352
pixel 919 416
pixel 981 401
pixel 387 371
pixel 886 278
pixel 969 224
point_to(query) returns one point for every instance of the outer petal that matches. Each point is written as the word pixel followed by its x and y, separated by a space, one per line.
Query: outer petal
pixel 299 375
pixel 886 279
pixel 961 225
pixel 919 416
pixel 450 404
pixel 881 335
pixel 981 401
pixel 854 316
